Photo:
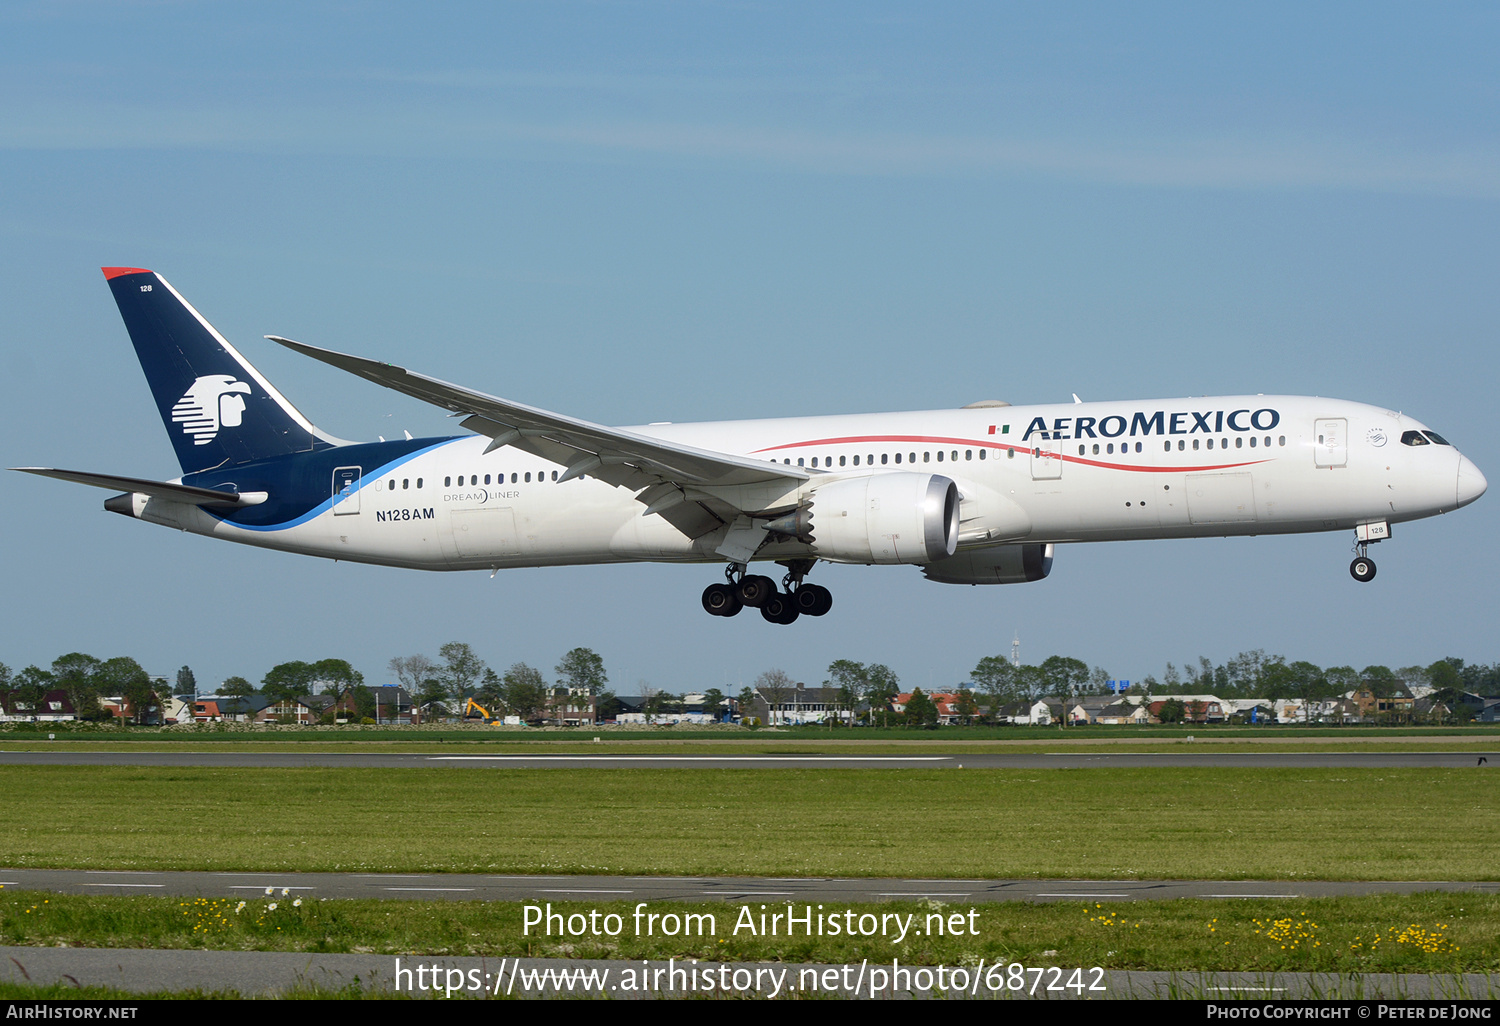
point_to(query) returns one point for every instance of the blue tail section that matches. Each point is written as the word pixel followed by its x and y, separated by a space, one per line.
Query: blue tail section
pixel 218 410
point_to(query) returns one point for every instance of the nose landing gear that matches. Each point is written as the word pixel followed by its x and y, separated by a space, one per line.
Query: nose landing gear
pixel 1363 567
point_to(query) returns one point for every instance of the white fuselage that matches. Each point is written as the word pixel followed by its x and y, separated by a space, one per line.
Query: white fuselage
pixel 1239 465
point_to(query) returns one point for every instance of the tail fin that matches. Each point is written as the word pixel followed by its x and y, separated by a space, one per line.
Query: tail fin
pixel 217 409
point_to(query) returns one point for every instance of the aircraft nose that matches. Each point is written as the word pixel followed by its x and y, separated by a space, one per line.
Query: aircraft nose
pixel 1471 483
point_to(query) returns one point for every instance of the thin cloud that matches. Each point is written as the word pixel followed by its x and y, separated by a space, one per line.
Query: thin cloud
pixel 1238 162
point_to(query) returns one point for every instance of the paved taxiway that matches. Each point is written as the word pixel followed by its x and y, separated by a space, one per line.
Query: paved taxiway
pixel 488 887
pixel 1009 760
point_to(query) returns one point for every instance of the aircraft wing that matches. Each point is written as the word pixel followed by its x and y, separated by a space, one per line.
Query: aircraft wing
pixel 158 489
pixel 659 469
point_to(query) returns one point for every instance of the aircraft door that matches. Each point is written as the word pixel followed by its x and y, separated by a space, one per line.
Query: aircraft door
pixel 1331 442
pixel 345 491
pixel 1046 460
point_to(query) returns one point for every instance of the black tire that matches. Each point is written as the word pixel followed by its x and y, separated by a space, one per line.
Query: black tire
pixel 1362 569
pixel 813 600
pixel 720 600
pixel 753 590
pixel 779 608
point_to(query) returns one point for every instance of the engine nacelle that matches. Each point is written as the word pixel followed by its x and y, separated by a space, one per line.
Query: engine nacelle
pixel 998 564
pixel 883 518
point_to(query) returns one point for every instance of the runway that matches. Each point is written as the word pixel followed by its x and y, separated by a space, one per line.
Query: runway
pixel 1026 760
pixel 769 890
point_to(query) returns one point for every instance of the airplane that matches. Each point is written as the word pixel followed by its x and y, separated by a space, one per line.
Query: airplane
pixel 978 495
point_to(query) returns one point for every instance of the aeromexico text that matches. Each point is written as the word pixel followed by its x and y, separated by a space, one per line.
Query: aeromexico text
pixel 1214 422
pixel 769 921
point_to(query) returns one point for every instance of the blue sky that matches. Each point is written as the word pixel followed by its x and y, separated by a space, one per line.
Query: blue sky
pixel 679 211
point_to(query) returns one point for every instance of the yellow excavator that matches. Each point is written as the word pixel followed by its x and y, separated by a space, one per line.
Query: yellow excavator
pixel 473 709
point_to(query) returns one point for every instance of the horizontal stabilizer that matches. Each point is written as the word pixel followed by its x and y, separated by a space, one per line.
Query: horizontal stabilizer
pixel 158 489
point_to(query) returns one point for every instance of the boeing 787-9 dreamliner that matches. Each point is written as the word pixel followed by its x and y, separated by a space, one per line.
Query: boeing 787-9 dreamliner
pixel 978 495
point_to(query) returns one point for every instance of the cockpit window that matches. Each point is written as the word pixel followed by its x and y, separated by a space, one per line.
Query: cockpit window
pixel 1414 438
pixel 1437 439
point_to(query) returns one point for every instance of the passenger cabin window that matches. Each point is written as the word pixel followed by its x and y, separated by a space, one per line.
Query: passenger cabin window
pixel 1407 438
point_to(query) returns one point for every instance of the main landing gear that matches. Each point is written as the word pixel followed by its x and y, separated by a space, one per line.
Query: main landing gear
pixel 1363 567
pixel 742 589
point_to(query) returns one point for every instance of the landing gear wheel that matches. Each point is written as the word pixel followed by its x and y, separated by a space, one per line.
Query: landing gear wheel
pixel 779 608
pixel 1362 569
pixel 813 599
pixel 721 600
pixel 754 590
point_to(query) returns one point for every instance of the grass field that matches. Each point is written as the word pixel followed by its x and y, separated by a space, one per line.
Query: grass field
pixel 1424 933
pixel 1377 824
pixel 725 739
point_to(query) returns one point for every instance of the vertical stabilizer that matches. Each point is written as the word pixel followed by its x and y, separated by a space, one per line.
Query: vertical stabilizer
pixel 217 409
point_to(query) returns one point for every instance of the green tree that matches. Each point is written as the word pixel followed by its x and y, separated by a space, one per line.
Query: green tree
pixel 966 705
pixel 187 684
pixel 286 682
pixel 525 691
pixel 363 700
pixel 335 678
pixel 1443 674
pixel 746 702
pixel 461 670
pixel 123 676
pixel 920 710
pixel 581 671
pixel 1172 711
pixel 235 687
pixel 884 686
pixel 713 702
pixel 490 692
pixel 995 678
pixel 30 686
pixel 851 682
pixel 78 674
pixel 1065 677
